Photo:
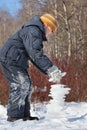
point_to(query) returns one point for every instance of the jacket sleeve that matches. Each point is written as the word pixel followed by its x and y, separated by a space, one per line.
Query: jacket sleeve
pixel 34 47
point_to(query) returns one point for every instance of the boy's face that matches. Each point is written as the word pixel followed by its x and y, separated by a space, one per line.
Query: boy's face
pixel 48 31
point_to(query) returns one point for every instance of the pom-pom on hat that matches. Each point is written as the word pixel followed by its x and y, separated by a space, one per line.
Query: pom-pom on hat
pixel 50 21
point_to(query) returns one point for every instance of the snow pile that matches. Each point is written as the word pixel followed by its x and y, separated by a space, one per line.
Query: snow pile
pixel 58 93
pixel 56 114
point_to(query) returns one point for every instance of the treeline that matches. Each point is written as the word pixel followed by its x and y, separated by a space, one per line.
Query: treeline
pixel 67 47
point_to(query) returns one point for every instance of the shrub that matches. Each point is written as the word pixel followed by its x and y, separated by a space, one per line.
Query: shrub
pixel 4 89
pixel 76 79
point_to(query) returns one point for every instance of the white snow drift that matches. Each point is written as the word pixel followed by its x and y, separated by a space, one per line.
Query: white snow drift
pixel 56 114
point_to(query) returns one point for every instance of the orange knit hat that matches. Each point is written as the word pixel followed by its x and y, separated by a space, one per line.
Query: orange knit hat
pixel 50 21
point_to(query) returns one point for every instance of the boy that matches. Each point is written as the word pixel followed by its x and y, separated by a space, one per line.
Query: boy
pixel 24 45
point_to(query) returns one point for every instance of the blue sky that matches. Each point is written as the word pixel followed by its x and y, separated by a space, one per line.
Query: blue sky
pixel 11 5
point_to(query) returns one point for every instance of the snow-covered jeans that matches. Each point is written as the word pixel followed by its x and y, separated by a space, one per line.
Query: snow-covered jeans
pixel 20 90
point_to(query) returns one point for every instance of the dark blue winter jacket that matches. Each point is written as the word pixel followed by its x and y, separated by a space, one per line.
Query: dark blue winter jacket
pixel 26 44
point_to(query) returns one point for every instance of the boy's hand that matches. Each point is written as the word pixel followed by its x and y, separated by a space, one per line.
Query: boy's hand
pixel 55 75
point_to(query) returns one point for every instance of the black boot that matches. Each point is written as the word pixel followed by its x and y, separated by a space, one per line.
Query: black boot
pixel 12 119
pixel 30 118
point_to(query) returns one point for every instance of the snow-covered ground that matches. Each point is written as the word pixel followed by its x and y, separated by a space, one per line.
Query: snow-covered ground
pixel 55 115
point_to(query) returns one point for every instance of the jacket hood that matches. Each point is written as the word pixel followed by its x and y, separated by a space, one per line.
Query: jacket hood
pixel 35 21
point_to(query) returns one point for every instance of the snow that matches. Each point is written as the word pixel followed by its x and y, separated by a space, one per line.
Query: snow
pixel 58 94
pixel 57 114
